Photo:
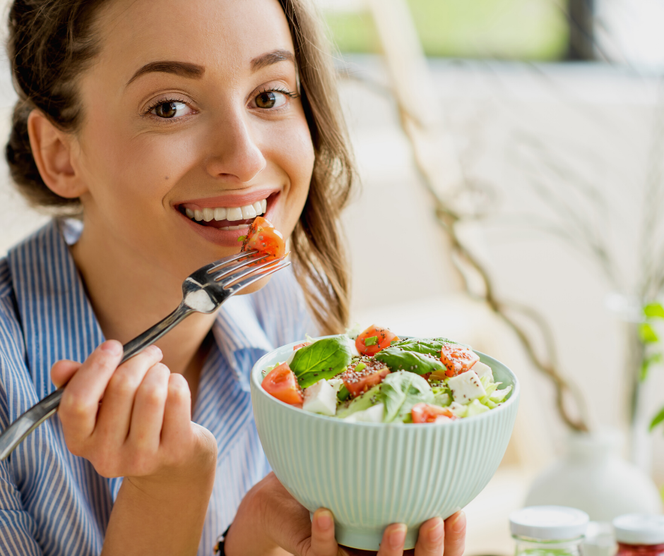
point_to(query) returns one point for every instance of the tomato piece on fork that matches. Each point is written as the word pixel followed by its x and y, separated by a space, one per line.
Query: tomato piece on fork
pixel 264 238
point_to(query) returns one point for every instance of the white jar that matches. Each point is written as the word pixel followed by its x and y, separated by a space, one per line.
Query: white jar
pixel 548 531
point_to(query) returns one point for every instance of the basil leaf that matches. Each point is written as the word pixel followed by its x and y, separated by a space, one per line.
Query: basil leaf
pixel 399 359
pixel 432 346
pixel 324 358
pixel 400 391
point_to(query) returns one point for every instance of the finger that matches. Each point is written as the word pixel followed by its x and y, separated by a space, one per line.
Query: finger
pixel 323 542
pixel 112 427
pixel 148 416
pixel 176 431
pixel 455 534
pixel 430 538
pixel 80 400
pixel 393 541
pixel 62 372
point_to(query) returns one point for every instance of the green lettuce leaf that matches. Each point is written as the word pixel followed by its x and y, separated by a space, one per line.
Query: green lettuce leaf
pixel 400 391
pixel 325 358
pixel 475 408
pixel 500 395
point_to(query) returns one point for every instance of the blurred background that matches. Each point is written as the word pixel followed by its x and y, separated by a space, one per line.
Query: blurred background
pixel 511 158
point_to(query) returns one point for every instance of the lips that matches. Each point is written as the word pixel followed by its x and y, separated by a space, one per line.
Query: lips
pixel 224 214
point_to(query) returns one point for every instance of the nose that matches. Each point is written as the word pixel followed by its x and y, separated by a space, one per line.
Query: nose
pixel 236 153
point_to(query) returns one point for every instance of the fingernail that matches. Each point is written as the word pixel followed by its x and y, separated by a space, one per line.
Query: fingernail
pixel 324 519
pixel 437 532
pixel 398 536
pixel 459 524
pixel 112 347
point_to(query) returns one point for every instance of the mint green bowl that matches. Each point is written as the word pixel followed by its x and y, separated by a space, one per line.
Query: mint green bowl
pixel 370 475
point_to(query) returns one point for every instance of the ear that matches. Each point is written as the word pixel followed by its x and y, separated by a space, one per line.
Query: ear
pixel 52 151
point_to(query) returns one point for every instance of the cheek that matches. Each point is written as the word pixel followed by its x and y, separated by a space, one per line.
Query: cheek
pixel 298 154
pixel 139 167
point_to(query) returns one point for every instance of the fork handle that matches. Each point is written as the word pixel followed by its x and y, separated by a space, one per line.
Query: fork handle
pixel 18 431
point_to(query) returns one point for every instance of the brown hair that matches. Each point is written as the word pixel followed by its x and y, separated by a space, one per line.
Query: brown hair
pixel 52 41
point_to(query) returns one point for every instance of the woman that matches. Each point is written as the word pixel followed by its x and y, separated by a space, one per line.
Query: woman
pixel 138 116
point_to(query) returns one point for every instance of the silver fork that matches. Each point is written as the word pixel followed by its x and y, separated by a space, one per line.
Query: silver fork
pixel 202 292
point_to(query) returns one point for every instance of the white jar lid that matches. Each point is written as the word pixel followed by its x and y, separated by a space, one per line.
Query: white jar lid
pixel 639 528
pixel 549 523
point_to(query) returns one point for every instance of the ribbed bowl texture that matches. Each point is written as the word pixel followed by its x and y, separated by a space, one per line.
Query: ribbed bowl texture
pixel 370 475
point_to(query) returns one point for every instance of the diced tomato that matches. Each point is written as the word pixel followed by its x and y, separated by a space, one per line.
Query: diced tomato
pixel 264 238
pixel 281 382
pixel 298 346
pixel 426 413
pixel 457 359
pixel 358 382
pixel 373 339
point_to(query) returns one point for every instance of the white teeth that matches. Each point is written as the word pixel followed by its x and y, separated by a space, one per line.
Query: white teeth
pixel 248 212
pixel 234 213
pixel 231 213
pixel 244 227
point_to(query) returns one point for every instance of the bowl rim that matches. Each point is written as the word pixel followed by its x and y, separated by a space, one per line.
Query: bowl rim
pixel 257 389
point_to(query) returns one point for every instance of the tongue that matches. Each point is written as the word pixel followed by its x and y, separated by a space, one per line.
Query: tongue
pixel 225 223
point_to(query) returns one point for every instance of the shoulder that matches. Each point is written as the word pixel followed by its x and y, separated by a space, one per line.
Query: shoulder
pixel 12 343
pixel 9 319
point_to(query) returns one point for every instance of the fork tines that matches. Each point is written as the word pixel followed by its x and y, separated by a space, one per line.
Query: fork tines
pixel 255 273
pixel 227 260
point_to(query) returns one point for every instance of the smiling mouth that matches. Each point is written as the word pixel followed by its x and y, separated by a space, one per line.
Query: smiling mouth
pixel 225 218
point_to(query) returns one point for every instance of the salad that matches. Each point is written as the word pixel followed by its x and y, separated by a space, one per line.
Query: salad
pixel 377 377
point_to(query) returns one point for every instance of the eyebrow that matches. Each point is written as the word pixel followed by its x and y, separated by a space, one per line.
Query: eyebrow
pixel 270 58
pixel 183 69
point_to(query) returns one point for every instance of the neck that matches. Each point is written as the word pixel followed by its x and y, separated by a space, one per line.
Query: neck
pixel 128 297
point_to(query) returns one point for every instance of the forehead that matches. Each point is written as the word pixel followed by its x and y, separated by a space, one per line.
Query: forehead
pixel 226 34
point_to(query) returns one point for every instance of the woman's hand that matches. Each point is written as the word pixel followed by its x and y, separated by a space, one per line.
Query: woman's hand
pixel 134 421
pixel 270 521
pixel 131 420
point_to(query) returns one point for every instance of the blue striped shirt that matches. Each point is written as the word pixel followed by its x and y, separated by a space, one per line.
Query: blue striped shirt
pixel 52 502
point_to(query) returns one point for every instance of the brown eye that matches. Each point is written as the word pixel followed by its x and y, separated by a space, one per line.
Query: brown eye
pixel 266 100
pixel 166 110
pixel 170 109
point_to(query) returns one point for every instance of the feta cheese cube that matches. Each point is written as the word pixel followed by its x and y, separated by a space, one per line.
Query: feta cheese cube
pixel 320 397
pixel 466 387
pixel 482 370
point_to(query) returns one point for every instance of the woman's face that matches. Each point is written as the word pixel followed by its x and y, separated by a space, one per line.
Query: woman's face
pixel 190 110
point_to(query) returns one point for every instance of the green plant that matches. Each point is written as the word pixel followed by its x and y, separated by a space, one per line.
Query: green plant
pixel 653 353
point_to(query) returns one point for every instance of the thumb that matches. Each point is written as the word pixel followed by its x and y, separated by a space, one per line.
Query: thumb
pixel 62 372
